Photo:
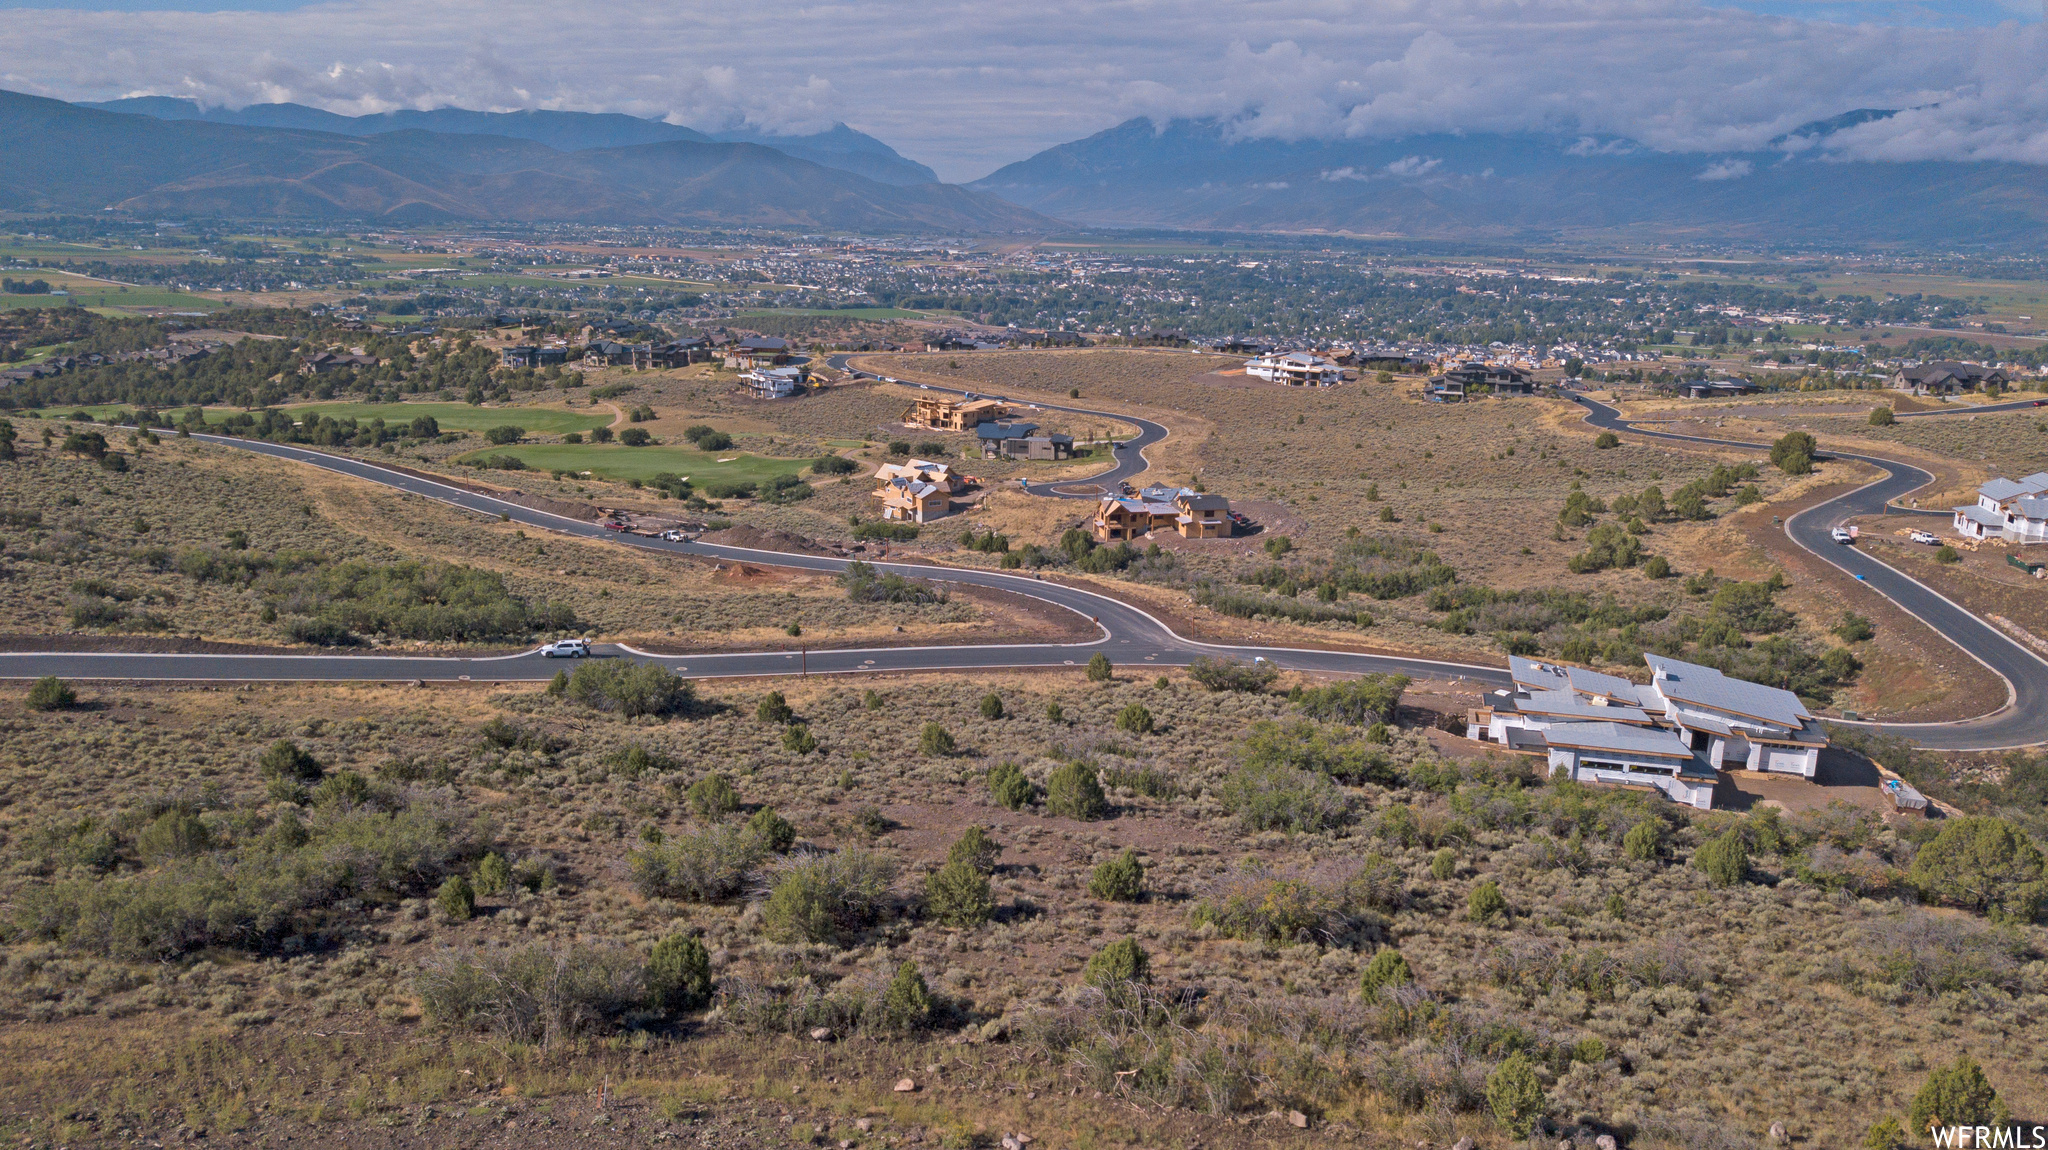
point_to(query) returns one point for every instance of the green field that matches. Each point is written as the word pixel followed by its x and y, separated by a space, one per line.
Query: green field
pixel 611 461
pixel 99 298
pixel 456 416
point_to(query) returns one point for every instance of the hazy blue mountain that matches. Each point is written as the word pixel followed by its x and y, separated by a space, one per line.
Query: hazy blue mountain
pixel 1193 174
pixel 63 157
pixel 841 147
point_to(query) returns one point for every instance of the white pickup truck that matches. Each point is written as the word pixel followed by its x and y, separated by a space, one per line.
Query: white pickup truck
pixel 566 649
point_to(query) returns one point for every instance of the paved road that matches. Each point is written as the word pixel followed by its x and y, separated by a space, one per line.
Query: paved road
pixel 2023 721
pixel 2010 405
pixel 1130 455
pixel 1129 636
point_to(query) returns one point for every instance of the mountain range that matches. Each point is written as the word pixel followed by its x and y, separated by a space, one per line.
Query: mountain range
pixel 69 158
pixel 1196 174
pixel 840 147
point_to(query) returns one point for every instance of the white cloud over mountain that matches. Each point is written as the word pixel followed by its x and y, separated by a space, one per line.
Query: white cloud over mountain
pixel 967 86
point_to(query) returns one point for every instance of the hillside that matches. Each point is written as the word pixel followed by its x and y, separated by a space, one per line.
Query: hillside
pixel 840 147
pixel 1193 174
pixel 71 158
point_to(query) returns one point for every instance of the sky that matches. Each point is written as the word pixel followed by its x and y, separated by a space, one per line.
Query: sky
pixel 969 85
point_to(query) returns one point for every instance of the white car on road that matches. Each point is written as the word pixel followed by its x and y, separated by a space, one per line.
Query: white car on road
pixel 1925 537
pixel 1842 535
pixel 566 649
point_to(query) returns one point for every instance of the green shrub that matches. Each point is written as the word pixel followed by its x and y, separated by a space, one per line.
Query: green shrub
pixel 1074 792
pixel 1724 860
pixel 977 848
pixel 1794 452
pixel 177 833
pixel 1099 669
pixel 678 975
pixel 1121 879
pixel 935 741
pixel 50 693
pixel 1515 1095
pixel 1279 797
pixel 1642 840
pixel 908 1004
pixel 1135 718
pixel 713 797
pixel 1606 440
pixel 1008 786
pixel 1122 961
pixel 1657 567
pixel 834 465
pixel 540 994
pixel 1984 864
pixel 286 760
pixel 1231 675
pixel 991 706
pixel 1855 628
pixel 1356 702
pixel 958 894
pixel 772 831
pixel 1054 713
pixel 630 689
pixel 824 897
pixel 1443 864
pixel 491 876
pixel 1886 1133
pixel 1386 969
pixel 775 709
pixel 1486 904
pixel 1957 1095
pixel 798 739
pixel 1882 417
pixel 456 899
pixel 710 865
pixel 504 434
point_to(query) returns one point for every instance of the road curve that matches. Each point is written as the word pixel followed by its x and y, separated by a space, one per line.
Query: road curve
pixel 1130 455
pixel 1129 635
pixel 2023 721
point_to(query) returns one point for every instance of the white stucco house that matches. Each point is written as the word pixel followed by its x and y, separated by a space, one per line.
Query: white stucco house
pixel 1295 369
pixel 2015 510
pixel 1672 734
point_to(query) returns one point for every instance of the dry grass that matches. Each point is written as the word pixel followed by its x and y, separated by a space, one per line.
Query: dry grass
pixel 331 1040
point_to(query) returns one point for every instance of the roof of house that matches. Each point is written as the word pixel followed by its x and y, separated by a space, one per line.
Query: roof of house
pixel 1618 739
pixel 2001 489
pixel 993 429
pixel 2031 507
pixel 1549 677
pixel 1568 705
pixel 1195 501
pixel 1705 687
pixel 1982 515
pixel 1930 372
pixel 763 343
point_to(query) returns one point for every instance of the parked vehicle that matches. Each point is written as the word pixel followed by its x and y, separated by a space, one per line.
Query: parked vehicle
pixel 1925 538
pixel 566 649
pixel 1842 535
pixel 674 535
pixel 612 525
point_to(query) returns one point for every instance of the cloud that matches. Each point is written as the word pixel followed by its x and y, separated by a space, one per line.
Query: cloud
pixel 1412 166
pixel 1727 170
pixel 1005 80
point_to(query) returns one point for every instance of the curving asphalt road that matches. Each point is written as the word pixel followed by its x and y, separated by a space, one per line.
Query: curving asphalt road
pixel 2023 721
pixel 1130 455
pixel 1130 636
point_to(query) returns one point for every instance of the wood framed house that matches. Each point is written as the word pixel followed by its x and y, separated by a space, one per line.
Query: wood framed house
pixel 912 500
pixel 757 351
pixel 2015 510
pixel 1190 514
pixel 1671 735
pixel 924 470
pixel 945 413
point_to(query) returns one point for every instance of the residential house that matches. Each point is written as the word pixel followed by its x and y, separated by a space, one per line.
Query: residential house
pixel 606 353
pixel 1021 439
pixel 1295 369
pixel 1947 377
pixel 1671 734
pixel 938 474
pixel 757 351
pixel 1718 388
pixel 1238 345
pixel 2015 510
pixel 521 355
pixel 1461 381
pixel 320 363
pixel 943 413
pixel 1193 514
pixel 773 382
pixel 679 353
pixel 910 499
pixel 1162 337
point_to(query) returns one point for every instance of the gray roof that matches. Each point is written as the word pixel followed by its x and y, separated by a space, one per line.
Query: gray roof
pixel 1551 677
pixel 1204 502
pixel 2003 489
pixel 2031 507
pixel 1708 688
pixel 1618 739
pixel 989 429
pixel 1568 705
pixel 1980 514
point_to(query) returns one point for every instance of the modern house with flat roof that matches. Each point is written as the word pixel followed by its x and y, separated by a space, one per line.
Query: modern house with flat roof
pixel 1671 734
pixel 772 382
pixel 2015 510
pixel 1295 369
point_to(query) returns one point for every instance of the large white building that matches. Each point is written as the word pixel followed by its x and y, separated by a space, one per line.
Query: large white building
pixel 2015 510
pixel 1295 369
pixel 1672 734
